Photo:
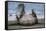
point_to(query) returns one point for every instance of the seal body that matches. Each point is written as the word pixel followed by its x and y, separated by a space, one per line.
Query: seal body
pixel 27 19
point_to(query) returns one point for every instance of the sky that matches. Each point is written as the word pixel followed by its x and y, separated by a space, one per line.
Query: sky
pixel 38 8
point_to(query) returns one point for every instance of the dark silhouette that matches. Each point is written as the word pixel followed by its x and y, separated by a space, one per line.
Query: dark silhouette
pixel 34 15
pixel 17 19
pixel 21 13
